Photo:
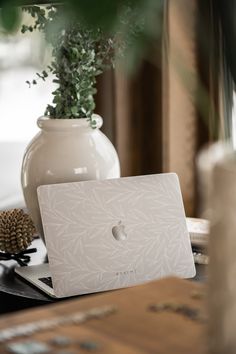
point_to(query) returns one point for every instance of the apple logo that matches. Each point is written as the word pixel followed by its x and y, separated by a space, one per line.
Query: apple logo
pixel 118 231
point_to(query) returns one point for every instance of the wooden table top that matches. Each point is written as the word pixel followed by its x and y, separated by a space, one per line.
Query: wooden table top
pixel 133 328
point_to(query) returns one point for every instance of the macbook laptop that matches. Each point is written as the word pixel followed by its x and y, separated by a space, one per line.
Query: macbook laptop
pixel 109 234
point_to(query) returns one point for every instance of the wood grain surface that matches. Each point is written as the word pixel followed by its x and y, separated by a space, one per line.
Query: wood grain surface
pixel 133 328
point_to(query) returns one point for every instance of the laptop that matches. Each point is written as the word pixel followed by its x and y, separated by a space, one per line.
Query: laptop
pixel 108 234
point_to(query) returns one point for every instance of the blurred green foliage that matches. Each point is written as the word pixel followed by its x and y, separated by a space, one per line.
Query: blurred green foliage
pixel 135 25
pixel 98 13
pixel 104 14
pixel 79 54
pixel 146 14
pixel 81 51
pixel 145 17
pixel 10 17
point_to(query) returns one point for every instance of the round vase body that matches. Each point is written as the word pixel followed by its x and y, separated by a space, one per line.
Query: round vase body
pixel 65 150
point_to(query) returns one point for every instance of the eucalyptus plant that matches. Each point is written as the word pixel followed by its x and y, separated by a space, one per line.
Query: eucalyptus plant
pixel 79 54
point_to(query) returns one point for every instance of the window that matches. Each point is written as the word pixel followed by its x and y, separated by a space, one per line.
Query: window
pixel 21 56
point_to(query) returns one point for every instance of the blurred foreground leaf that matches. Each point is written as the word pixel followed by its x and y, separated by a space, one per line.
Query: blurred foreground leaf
pixel 101 14
pixel 10 17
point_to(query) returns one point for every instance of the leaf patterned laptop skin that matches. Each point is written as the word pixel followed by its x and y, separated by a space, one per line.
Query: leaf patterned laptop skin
pixel 109 234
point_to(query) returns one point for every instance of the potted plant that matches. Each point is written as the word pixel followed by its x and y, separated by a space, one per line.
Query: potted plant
pixel 70 147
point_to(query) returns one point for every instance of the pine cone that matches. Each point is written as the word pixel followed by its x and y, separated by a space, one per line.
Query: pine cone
pixel 16 231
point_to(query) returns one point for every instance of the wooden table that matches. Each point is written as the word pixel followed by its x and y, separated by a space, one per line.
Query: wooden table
pixel 133 329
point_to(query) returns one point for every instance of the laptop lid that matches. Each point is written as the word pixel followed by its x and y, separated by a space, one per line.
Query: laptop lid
pixel 103 235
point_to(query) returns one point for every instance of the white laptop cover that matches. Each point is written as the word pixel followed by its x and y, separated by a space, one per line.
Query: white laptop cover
pixel 103 235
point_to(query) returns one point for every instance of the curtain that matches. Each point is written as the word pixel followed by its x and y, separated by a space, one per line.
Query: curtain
pixel 132 111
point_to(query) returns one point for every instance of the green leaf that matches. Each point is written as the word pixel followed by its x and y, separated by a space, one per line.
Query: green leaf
pixel 74 110
pixel 56 99
pixel 45 74
pixel 75 52
pixel 24 28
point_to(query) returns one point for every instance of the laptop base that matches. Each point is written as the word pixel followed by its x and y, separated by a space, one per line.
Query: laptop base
pixel 39 276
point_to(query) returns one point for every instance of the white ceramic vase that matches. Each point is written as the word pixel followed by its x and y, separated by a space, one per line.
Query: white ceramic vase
pixel 65 150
